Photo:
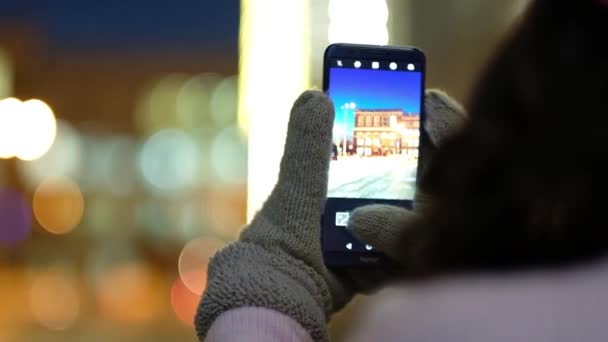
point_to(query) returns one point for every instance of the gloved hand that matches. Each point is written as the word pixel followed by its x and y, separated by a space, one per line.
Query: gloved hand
pixel 384 226
pixel 277 262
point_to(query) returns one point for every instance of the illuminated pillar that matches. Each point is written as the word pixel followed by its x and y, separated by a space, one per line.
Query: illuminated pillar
pixel 274 63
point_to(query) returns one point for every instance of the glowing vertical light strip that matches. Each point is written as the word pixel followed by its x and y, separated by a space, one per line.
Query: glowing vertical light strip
pixel 274 69
pixel 358 21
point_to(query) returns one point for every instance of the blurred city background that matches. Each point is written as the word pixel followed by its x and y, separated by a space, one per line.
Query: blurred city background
pixel 137 138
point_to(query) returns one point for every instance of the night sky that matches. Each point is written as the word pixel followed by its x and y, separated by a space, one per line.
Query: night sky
pixel 373 89
pixel 76 24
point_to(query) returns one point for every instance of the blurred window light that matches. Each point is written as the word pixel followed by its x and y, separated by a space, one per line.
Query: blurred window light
pixel 6 75
pixel 157 107
pixel 223 102
pixel 228 156
pixel 63 159
pixel 15 218
pixel 39 129
pixel 268 85
pixel 54 299
pixel 193 262
pixel 193 101
pixel 169 160
pixel 358 21
pixel 58 205
pixel 184 301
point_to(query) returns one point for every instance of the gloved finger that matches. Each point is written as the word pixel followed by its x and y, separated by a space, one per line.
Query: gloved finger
pixel 444 116
pixel 300 192
pixel 382 226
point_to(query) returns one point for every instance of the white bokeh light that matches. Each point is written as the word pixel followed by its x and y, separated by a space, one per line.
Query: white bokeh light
pixel 10 126
pixel 39 129
pixel 63 159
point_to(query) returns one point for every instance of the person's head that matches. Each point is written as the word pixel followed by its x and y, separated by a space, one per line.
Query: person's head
pixel 524 182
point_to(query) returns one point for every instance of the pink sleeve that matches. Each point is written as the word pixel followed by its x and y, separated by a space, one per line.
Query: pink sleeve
pixel 255 324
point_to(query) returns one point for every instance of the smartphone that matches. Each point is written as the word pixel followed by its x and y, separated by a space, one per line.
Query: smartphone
pixel 378 95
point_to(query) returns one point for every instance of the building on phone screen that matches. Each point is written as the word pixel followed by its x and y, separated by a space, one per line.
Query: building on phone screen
pixel 382 132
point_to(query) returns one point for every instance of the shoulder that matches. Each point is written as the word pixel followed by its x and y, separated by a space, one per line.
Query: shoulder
pixel 539 306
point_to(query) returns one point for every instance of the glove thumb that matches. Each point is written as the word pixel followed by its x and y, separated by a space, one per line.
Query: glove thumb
pixel 382 226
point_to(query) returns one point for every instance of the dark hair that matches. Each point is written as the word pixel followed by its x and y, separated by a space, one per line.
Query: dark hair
pixel 523 184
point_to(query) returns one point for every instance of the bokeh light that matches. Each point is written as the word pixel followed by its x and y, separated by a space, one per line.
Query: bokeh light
pixel 153 220
pixel 169 160
pixel 10 126
pixel 126 288
pixel 58 205
pixel 185 218
pixel 15 217
pixel 6 74
pixel 346 16
pixel 157 108
pixel 224 209
pixel 54 299
pixel 107 216
pixel 15 287
pixel 3 174
pixel 129 292
pixel 193 262
pixel 223 102
pixel 63 159
pixel 193 101
pixel 229 156
pixel 184 301
pixel 203 137
pixel 118 165
pixel 39 129
pixel 95 153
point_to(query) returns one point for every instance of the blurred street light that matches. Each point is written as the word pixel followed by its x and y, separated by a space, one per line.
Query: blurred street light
pixel 268 85
pixel 358 21
pixel 27 129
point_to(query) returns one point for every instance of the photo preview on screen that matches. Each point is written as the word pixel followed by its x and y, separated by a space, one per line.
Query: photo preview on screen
pixel 376 130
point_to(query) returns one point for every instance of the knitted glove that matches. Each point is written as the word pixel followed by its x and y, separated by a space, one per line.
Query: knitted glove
pixel 277 262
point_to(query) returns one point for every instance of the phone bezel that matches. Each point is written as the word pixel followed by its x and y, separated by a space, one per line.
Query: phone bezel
pixel 369 52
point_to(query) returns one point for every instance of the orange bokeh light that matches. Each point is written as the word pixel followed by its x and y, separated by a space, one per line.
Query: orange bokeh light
pixel 184 301
pixel 54 300
pixel 58 205
pixel 130 293
pixel 193 262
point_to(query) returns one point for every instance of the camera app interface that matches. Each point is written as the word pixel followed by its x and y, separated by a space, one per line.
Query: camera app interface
pixel 376 129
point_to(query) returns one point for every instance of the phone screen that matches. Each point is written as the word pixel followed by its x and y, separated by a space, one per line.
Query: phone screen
pixel 376 136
